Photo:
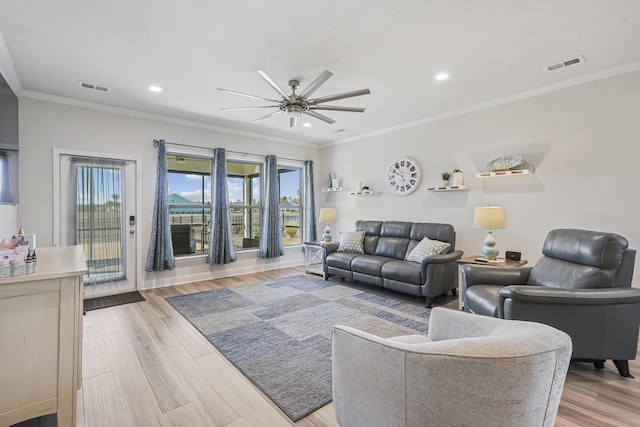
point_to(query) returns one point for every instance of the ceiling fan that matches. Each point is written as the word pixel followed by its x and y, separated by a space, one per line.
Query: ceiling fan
pixel 295 104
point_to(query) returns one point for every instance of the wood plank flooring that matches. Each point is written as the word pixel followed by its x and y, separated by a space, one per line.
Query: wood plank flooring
pixel 145 365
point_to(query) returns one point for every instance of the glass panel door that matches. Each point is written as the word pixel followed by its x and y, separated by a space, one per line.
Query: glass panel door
pixel 100 220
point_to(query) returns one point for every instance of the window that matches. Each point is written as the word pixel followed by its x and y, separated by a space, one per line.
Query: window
pixel 290 205
pixel 190 202
pixel 189 181
pixel 244 186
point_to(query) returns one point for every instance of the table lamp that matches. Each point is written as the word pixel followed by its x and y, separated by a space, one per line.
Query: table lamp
pixel 490 218
pixel 327 215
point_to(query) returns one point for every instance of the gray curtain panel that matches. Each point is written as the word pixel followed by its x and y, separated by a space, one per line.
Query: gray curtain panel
pixel 271 245
pixel 309 217
pixel 221 250
pixel 160 256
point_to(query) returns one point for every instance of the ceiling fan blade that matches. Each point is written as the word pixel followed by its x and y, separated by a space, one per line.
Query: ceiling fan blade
pixel 319 116
pixel 293 121
pixel 267 116
pixel 339 96
pixel 272 83
pixel 319 81
pixel 336 108
pixel 246 94
pixel 250 108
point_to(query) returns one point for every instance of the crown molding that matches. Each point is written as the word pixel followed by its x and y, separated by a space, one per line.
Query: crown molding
pixel 576 81
pixel 41 96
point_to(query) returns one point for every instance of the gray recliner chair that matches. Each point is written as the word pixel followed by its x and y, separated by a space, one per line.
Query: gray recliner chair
pixel 582 286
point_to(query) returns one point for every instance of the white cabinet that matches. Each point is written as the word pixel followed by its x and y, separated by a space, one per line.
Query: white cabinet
pixel 41 338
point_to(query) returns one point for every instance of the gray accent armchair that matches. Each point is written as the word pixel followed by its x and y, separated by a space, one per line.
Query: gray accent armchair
pixel 582 286
pixel 489 372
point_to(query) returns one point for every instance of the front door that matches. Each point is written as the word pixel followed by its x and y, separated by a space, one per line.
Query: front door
pixel 98 211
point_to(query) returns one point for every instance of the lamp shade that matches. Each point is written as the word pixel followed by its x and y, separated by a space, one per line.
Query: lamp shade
pixel 488 217
pixel 328 215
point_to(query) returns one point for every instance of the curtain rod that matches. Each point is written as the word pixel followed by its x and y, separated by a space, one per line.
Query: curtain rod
pixel 156 142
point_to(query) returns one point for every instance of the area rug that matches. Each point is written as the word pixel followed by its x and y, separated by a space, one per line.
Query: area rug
pixel 112 300
pixel 278 333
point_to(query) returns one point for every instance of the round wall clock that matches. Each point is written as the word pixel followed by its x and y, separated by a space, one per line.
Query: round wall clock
pixel 403 176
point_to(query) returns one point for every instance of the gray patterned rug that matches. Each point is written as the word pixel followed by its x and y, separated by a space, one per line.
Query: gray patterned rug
pixel 278 333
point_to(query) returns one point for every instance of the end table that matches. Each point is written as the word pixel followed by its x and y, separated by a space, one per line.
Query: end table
pixel 314 257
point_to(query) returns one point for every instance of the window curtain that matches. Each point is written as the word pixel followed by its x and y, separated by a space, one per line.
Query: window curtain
pixel 97 215
pixel 160 256
pixel 309 216
pixel 271 245
pixel 221 250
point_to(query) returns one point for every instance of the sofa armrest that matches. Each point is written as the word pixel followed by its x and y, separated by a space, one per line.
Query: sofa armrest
pixel 603 323
pixel 473 274
pixel 330 247
pixel 442 258
pixel 546 295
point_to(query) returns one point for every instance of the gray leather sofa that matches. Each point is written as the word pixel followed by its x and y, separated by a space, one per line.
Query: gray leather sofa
pixel 582 286
pixel 386 245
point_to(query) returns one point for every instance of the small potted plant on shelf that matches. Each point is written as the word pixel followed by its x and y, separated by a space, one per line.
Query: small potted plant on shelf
pixel 446 176
pixel 457 177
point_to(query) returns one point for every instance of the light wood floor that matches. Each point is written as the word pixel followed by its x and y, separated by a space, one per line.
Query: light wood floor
pixel 145 365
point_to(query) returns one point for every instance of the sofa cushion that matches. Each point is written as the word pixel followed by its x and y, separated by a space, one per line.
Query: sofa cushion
pixel 368 264
pixel 403 271
pixel 392 247
pixel 427 248
pixel 434 231
pixel 372 232
pixel 395 229
pixel 351 241
pixel 341 260
pixel 593 248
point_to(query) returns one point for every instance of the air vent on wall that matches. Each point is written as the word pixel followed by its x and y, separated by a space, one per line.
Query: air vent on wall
pixel 94 87
pixel 566 63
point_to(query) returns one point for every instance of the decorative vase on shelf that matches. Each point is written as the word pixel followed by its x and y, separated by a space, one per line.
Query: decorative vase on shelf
pixel 329 181
pixel 457 178
pixel 445 182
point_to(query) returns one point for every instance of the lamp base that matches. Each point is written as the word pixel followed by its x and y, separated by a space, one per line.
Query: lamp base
pixel 489 251
pixel 327 234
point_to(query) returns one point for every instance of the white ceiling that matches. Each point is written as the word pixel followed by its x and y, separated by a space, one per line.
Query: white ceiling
pixel 493 50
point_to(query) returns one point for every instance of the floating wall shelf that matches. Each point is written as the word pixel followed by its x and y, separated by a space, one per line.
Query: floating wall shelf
pixel 363 193
pixel 328 190
pixel 449 188
pixel 503 173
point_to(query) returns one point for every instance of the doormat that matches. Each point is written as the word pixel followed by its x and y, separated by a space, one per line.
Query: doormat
pixel 112 300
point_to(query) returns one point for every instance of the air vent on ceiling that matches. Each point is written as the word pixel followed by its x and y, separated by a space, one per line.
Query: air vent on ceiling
pixel 566 63
pixel 94 87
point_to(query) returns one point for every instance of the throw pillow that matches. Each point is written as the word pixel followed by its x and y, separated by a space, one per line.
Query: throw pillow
pixel 351 241
pixel 427 248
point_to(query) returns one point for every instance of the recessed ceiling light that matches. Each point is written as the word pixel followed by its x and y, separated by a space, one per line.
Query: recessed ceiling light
pixel 442 76
pixel 307 125
pixel 155 88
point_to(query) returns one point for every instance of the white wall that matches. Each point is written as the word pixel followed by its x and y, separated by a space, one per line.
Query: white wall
pixel 583 142
pixel 8 221
pixel 46 125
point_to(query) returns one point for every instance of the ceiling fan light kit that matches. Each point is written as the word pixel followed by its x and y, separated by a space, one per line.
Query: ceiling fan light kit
pixel 295 105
